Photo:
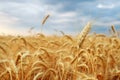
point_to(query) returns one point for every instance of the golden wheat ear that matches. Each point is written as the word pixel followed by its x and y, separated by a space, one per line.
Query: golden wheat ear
pixel 45 19
pixel 114 31
pixel 83 34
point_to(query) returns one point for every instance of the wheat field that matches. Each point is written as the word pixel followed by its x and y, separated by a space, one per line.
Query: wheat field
pixel 41 57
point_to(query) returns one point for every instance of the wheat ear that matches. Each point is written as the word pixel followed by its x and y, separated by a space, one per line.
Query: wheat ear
pixel 114 30
pixel 83 34
pixel 44 20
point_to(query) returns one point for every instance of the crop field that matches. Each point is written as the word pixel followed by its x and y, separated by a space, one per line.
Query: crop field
pixel 41 57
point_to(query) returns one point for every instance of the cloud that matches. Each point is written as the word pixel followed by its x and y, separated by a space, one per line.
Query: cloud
pixel 105 6
pixel 69 16
pixel 106 24
pixel 63 17
pixel 5 18
pixel 8 24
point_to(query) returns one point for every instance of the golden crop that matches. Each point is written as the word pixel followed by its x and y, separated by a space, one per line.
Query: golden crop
pixel 41 57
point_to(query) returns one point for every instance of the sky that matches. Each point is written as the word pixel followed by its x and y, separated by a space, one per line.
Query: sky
pixel 69 16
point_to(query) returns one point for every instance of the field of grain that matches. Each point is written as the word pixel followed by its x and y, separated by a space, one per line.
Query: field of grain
pixel 40 57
